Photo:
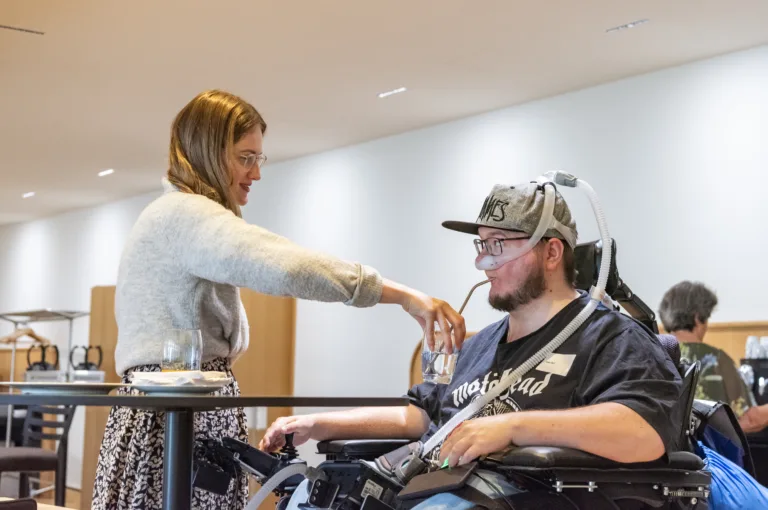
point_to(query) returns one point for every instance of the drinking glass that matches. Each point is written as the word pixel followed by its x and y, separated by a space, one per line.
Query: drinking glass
pixel 182 350
pixel 437 365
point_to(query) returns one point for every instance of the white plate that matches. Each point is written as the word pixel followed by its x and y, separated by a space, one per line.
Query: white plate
pixel 180 390
pixel 63 388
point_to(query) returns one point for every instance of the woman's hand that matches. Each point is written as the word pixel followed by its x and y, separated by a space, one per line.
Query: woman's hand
pixel 300 426
pixel 428 311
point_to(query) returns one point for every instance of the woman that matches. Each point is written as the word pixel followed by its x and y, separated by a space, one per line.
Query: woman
pixel 185 258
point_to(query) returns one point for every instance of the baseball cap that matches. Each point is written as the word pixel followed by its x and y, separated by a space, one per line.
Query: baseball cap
pixel 519 208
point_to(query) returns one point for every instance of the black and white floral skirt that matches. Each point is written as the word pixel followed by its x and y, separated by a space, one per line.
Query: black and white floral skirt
pixel 129 474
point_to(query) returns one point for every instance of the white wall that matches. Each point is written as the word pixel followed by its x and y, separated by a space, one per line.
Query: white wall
pixel 53 263
pixel 675 155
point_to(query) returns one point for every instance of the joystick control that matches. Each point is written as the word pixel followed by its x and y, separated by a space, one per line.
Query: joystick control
pixel 288 449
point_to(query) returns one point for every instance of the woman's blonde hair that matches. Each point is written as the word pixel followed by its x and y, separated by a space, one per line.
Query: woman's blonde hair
pixel 202 137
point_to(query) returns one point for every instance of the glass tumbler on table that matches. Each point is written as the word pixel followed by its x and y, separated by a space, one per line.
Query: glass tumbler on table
pixel 182 350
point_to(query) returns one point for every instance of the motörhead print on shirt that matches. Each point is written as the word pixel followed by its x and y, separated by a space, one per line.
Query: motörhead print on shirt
pixel 610 358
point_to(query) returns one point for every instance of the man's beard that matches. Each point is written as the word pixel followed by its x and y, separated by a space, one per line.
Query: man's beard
pixel 532 288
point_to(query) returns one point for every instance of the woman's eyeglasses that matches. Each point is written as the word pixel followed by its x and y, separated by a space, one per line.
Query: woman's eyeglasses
pixel 253 159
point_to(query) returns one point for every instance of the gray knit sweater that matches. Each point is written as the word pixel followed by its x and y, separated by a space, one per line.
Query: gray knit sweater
pixel 184 261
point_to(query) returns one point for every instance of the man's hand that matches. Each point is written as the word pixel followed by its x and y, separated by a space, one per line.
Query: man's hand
pixel 300 426
pixel 608 429
pixel 478 437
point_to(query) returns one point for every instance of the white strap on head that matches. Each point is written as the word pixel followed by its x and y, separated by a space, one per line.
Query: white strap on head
pixel 568 234
pixel 488 262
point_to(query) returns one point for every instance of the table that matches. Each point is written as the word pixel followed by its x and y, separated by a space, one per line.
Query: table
pixel 41 506
pixel 179 424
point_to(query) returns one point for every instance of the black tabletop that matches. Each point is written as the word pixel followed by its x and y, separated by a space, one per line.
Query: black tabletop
pixel 199 403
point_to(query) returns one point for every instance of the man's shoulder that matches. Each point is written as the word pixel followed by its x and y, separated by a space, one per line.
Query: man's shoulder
pixel 616 334
pixel 489 335
pixel 609 325
pixel 619 321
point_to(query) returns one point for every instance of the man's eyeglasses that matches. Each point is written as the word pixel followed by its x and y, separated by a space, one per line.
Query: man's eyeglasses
pixel 494 246
pixel 253 159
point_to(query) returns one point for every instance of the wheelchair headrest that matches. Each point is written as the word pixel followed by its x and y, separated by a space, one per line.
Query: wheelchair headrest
pixel 587 258
pixel 672 346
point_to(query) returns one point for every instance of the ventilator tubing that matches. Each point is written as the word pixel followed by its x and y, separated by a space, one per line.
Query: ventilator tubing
pixel 596 296
pixel 274 482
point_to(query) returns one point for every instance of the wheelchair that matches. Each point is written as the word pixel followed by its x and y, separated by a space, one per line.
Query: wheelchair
pixel 551 477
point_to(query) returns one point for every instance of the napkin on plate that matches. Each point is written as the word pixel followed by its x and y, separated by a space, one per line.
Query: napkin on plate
pixel 189 378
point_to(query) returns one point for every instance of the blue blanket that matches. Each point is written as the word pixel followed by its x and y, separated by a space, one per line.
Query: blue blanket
pixel 732 487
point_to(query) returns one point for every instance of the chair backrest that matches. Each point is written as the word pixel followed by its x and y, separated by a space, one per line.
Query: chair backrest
pixel 690 380
pixel 672 346
pixel 39 427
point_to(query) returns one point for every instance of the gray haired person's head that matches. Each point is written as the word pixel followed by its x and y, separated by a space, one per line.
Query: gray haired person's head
pixel 684 303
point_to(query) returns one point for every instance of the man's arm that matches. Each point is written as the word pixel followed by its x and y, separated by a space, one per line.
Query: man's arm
pixel 365 423
pixel 609 430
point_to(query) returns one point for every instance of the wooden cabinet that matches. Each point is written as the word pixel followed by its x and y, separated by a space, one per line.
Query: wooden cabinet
pixel 266 368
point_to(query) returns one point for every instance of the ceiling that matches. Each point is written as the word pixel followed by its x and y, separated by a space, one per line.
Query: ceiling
pixel 101 87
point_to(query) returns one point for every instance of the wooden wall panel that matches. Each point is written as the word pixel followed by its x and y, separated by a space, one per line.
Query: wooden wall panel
pixel 21 363
pixel 731 337
pixel 103 332
pixel 266 368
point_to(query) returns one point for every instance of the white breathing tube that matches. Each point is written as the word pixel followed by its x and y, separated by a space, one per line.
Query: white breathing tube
pixel 274 482
pixel 596 296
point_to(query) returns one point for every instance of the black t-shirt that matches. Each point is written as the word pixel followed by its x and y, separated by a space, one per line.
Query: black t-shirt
pixel 610 358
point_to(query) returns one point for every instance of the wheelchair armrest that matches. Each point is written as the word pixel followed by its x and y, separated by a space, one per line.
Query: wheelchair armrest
pixel 549 457
pixel 362 449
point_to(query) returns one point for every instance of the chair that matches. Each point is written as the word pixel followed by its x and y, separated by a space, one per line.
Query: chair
pixel 31 458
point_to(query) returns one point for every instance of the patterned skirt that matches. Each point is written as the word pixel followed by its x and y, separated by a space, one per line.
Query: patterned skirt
pixel 129 474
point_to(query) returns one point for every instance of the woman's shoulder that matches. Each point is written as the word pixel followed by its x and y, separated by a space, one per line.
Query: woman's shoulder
pixel 177 205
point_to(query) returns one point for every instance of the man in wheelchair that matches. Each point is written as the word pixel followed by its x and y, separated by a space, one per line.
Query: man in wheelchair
pixel 610 398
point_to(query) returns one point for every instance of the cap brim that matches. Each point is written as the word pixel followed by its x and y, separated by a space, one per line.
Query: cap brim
pixel 471 228
pixel 463 226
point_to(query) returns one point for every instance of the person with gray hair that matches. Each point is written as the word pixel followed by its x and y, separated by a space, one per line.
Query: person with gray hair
pixel 685 310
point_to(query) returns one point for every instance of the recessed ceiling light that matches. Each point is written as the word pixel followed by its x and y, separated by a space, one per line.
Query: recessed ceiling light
pixel 392 92
pixel 28 195
pixel 628 25
pixel 106 172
